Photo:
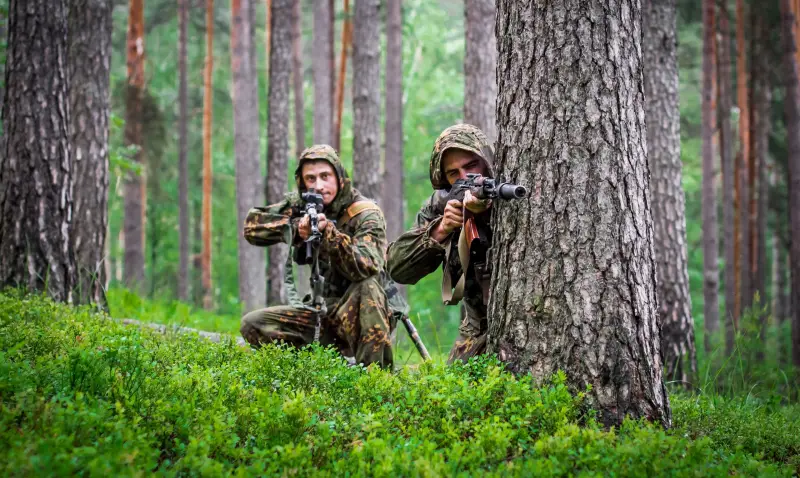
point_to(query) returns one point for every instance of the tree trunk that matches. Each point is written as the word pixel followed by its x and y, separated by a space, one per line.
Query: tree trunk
pixel 744 164
pixel 208 108
pixel 393 176
pixel 246 128
pixel 36 168
pixel 297 78
pixel 575 261
pixel 709 206
pixel 480 61
pixel 366 99
pixel 669 210
pixel 323 74
pixel 135 183
pixel 183 152
pixel 792 114
pixel 90 61
pixel 280 68
pixel 347 40
pixel 730 186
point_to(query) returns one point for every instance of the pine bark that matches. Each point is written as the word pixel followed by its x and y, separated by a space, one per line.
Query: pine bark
pixel 134 187
pixel 36 166
pixel 366 99
pixel 730 186
pixel 246 131
pixel 183 153
pixel 208 111
pixel 480 63
pixel 280 68
pixel 792 115
pixel 297 78
pixel 575 260
pixel 744 164
pixel 393 176
pixel 709 206
pixel 89 64
pixel 666 189
pixel 323 72
pixel 760 126
pixel 347 39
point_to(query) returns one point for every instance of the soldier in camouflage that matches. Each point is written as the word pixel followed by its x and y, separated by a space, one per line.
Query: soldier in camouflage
pixel 360 317
pixel 432 242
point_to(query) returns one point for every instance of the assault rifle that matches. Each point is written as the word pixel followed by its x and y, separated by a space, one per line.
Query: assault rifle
pixel 312 204
pixel 473 240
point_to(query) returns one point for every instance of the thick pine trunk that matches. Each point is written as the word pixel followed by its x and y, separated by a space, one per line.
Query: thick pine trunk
pixel 36 166
pixel 480 63
pixel 666 189
pixel 134 189
pixel 709 206
pixel 208 109
pixel 393 176
pixel 791 75
pixel 730 186
pixel 90 61
pixel 575 261
pixel 246 131
pixel 280 69
pixel 366 99
pixel 323 73
pixel 183 152
pixel 297 77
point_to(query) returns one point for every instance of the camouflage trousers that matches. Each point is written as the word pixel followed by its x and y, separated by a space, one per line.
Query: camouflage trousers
pixel 472 334
pixel 358 324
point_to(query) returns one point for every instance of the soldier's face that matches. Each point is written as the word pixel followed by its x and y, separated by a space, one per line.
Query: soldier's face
pixel 321 176
pixel 457 163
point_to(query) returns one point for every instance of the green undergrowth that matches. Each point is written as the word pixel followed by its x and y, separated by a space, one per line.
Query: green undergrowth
pixel 81 394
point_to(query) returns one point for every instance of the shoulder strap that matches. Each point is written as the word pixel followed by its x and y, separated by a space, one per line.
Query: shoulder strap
pixel 357 208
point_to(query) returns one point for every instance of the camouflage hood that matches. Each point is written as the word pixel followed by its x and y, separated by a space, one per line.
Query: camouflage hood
pixel 346 195
pixel 460 136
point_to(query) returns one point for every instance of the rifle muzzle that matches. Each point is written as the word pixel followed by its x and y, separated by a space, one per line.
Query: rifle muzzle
pixel 512 191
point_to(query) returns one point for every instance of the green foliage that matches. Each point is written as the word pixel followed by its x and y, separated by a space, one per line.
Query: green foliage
pixel 80 393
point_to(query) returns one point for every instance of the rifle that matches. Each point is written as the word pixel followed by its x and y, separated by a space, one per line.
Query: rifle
pixel 473 240
pixel 312 205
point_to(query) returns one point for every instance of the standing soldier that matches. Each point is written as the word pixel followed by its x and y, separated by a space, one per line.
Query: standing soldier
pixel 460 150
pixel 357 294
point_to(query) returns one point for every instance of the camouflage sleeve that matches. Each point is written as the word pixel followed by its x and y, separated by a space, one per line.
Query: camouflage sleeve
pixel 361 255
pixel 265 226
pixel 416 254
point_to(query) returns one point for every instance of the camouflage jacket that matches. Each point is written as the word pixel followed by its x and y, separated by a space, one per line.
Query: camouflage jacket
pixel 416 253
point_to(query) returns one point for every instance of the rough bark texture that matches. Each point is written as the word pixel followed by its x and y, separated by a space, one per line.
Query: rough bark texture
pixel 393 176
pixel 297 78
pixel 744 163
pixel 480 64
pixel 709 206
pixel 183 152
pixel 323 73
pixel 792 113
pixel 90 61
pixel 730 189
pixel 134 188
pixel 249 181
pixel 666 189
pixel 36 167
pixel 280 69
pixel 366 99
pixel 575 262
pixel 208 109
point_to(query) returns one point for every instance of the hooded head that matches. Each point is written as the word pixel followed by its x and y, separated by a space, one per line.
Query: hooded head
pixel 345 193
pixel 465 137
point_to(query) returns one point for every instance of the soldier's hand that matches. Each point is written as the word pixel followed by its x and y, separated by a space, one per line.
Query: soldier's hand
pixel 453 219
pixel 304 226
pixel 475 205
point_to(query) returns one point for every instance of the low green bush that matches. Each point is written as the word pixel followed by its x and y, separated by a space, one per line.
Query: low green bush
pixel 82 394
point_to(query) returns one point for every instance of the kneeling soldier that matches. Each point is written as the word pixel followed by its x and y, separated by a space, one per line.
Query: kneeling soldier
pixel 357 317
